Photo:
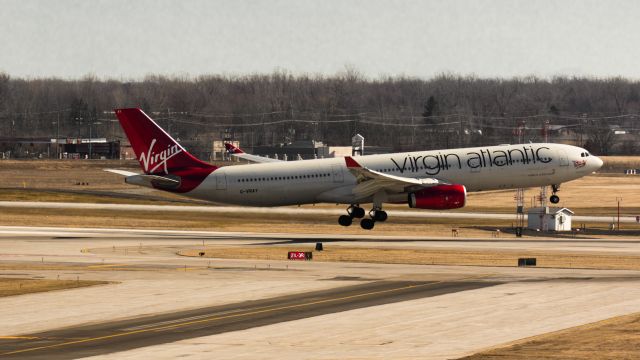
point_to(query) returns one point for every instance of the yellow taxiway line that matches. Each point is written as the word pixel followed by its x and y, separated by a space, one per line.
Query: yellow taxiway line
pixel 215 318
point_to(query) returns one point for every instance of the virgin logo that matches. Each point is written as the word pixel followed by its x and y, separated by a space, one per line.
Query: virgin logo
pixel 154 160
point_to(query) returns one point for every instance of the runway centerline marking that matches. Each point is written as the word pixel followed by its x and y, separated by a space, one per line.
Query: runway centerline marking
pixel 253 312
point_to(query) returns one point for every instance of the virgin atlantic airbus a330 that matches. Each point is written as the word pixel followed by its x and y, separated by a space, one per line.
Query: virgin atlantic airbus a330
pixel 437 180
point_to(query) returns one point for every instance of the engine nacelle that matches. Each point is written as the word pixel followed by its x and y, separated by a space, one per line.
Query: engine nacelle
pixel 439 197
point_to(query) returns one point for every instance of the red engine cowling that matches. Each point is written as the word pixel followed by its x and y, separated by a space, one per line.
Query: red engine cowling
pixel 439 197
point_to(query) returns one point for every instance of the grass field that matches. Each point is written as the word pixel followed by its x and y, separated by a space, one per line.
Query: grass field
pixel 615 338
pixel 17 286
pixel 425 256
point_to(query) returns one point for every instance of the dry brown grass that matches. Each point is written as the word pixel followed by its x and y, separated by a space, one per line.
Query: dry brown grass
pixel 615 338
pixel 17 286
pixel 425 256
pixel 591 195
pixel 619 163
pixel 276 223
pixel 234 222
pixel 63 174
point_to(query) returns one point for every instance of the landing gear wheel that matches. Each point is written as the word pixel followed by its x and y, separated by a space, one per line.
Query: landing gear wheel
pixel 356 212
pixel 367 224
pixel 345 220
pixel 554 199
pixel 379 215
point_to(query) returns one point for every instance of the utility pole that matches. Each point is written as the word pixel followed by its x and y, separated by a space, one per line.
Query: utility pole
pixel 618 199
pixel 91 123
pixel 90 152
pixel 543 189
pixel 58 136
pixel 519 197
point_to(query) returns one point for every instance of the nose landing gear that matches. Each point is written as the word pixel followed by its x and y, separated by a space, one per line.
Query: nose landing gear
pixel 555 198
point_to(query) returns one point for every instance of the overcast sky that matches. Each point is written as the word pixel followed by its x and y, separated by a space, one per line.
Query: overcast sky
pixel 504 38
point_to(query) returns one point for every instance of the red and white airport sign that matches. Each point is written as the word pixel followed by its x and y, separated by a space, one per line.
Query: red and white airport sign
pixel 300 255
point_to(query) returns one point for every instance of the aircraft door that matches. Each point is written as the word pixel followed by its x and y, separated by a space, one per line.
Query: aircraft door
pixel 336 173
pixel 564 159
pixel 221 181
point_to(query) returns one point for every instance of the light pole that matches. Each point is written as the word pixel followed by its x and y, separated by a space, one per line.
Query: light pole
pixel 79 121
pixel 58 135
pixel 90 148
pixel 618 199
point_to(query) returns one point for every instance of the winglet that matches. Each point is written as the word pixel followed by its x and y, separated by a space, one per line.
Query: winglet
pixel 351 163
pixel 232 149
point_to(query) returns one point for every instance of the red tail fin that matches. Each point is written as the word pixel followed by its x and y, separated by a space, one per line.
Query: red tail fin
pixel 156 150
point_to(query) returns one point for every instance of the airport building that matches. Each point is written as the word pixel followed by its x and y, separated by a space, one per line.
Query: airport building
pixel 63 148
pixel 95 148
pixel 303 150
pixel 549 219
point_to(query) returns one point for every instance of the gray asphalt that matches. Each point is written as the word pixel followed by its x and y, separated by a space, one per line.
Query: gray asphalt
pixel 105 338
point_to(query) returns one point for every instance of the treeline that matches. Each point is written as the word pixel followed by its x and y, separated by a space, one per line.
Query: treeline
pixel 400 112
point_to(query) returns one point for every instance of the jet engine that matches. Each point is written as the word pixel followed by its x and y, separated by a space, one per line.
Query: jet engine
pixel 439 197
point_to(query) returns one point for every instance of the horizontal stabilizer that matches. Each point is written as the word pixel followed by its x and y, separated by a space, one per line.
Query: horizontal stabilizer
pixel 121 172
pixel 239 153
pixel 154 181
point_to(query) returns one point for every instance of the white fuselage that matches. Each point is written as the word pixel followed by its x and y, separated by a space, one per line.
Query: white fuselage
pixel 329 180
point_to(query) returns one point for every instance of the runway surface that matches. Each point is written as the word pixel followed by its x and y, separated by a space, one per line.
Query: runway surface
pixel 103 235
pixel 159 305
pixel 281 211
pixel 104 338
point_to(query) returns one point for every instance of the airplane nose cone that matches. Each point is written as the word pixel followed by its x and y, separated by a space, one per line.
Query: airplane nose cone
pixel 597 163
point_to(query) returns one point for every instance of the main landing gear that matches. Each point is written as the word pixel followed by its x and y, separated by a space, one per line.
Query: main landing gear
pixel 355 211
pixel 555 198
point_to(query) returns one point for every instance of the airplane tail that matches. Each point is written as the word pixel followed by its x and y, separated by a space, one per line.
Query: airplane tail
pixel 157 152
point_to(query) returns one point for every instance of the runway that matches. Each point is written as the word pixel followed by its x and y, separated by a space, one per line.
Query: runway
pixel 136 236
pixel 104 338
pixel 420 214
pixel 163 306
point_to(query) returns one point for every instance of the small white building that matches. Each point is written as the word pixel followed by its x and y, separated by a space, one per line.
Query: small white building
pixel 549 219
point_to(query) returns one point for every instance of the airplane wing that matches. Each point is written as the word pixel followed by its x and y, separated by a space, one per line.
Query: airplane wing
pixel 239 153
pixel 371 181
